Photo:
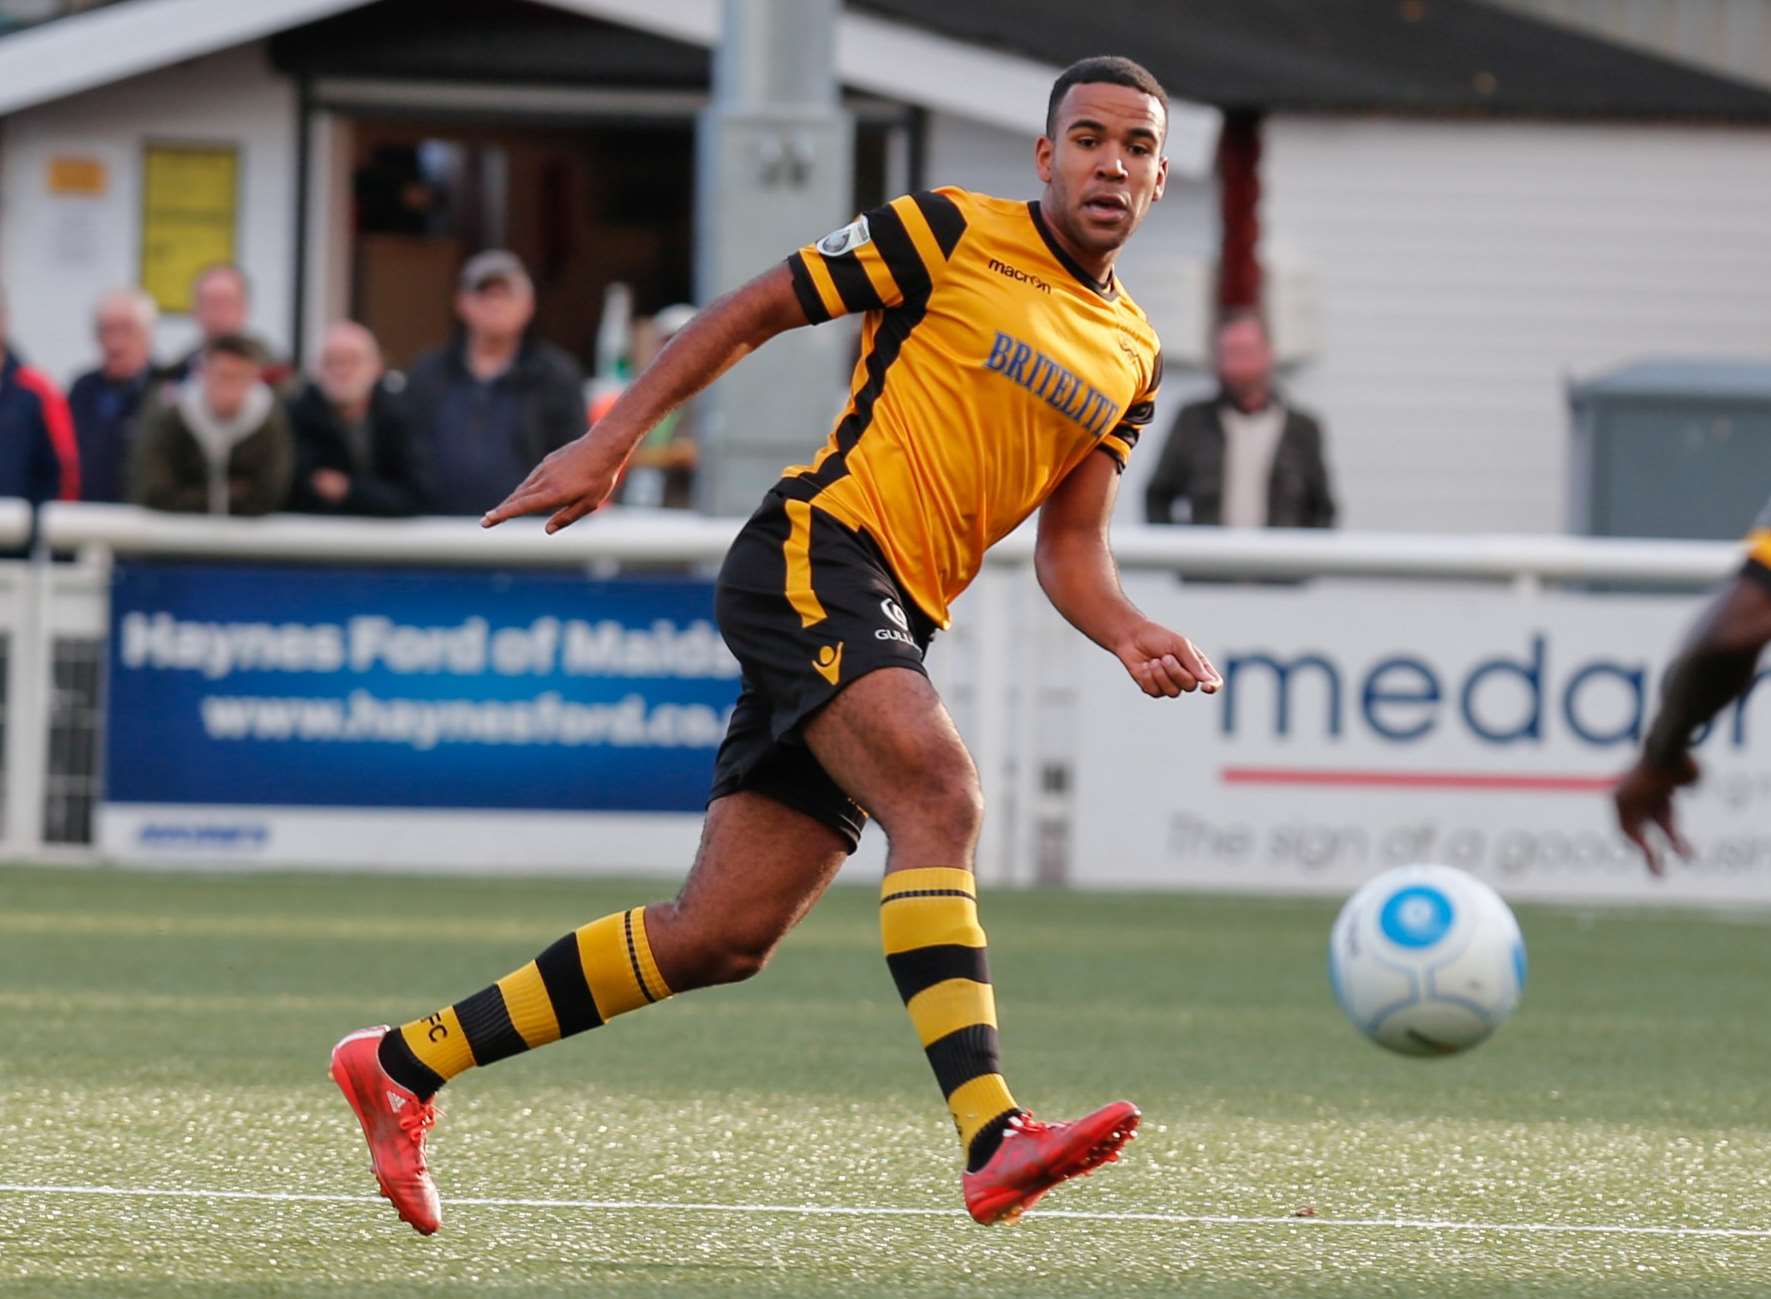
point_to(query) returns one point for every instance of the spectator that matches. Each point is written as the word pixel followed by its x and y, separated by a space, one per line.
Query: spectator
pixel 488 405
pixel 39 459
pixel 222 445
pixel 1244 459
pixel 662 471
pixel 106 402
pixel 221 302
pixel 353 452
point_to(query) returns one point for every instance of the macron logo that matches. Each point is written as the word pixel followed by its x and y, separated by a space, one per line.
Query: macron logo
pixel 1016 273
pixel 395 1101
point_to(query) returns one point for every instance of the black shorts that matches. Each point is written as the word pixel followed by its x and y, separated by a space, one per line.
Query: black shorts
pixel 807 605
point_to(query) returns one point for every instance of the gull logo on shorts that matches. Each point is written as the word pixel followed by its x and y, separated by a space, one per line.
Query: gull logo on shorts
pixel 846 240
pixel 829 662
pixel 895 611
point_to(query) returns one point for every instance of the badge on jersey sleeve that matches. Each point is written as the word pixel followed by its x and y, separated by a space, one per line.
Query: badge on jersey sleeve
pixel 846 240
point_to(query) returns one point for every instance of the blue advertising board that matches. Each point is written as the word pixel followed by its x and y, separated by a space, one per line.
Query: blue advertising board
pixel 363 688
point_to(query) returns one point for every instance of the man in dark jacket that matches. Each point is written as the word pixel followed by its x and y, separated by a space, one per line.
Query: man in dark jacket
pixel 1244 458
pixel 38 458
pixel 221 445
pixel 106 402
pixel 487 406
pixel 353 450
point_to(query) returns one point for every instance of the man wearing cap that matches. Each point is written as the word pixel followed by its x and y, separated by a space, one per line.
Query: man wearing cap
pixel 486 405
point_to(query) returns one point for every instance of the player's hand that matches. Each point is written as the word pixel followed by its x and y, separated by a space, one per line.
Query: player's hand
pixel 1165 663
pixel 569 484
pixel 1644 796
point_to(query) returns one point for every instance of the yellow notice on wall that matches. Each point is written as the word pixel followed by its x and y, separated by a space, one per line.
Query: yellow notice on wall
pixel 189 215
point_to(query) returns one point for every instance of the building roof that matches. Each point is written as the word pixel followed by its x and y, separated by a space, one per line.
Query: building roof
pixel 449 39
pixel 1440 57
pixel 655 42
pixel 990 59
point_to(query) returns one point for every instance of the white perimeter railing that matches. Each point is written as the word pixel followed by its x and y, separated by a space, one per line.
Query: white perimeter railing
pixel 992 663
pixel 660 536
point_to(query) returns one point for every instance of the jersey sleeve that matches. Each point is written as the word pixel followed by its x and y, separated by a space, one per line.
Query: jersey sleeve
pixel 1758 549
pixel 885 258
pixel 1124 437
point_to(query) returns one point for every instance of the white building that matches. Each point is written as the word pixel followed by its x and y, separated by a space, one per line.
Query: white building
pixel 1461 208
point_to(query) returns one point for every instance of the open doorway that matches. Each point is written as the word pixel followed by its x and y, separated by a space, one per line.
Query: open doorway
pixel 583 207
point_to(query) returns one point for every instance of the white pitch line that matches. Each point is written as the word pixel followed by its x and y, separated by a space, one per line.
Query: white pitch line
pixel 882 1211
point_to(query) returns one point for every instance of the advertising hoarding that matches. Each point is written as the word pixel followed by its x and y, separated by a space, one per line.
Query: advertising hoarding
pixel 1366 727
pixel 356 715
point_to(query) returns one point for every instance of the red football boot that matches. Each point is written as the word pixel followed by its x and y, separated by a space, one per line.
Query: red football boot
pixel 395 1121
pixel 1035 1156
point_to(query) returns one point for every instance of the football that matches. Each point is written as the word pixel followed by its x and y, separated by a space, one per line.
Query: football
pixel 1426 960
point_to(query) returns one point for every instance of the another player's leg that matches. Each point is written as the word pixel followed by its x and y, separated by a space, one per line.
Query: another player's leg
pixel 888 740
pixel 760 867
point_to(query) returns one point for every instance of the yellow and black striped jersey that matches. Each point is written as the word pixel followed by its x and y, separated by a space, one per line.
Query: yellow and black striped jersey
pixel 991 366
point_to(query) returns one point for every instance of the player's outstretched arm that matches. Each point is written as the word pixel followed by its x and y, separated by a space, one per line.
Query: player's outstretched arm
pixel 1077 572
pixel 576 479
pixel 1715 667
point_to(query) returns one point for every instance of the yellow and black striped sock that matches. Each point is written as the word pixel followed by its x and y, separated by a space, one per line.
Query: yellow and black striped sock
pixel 603 970
pixel 935 948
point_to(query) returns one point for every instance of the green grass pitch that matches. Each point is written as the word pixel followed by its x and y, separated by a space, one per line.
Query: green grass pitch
pixel 170 1032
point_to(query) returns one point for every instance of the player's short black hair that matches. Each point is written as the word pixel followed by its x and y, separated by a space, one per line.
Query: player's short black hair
pixel 1108 68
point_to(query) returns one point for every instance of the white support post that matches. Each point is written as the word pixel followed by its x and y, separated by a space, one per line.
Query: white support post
pixel 775 168
pixel 993 670
pixel 1022 677
pixel 30 688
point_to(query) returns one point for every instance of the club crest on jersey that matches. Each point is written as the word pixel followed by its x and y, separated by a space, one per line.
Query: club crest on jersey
pixel 846 240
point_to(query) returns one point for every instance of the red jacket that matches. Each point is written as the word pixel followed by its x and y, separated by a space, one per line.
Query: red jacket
pixel 39 459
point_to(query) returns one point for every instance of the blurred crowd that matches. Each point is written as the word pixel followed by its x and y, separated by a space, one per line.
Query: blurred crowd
pixel 230 428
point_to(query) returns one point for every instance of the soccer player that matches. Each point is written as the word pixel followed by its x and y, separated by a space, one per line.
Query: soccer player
pixel 1716 666
pixel 1004 369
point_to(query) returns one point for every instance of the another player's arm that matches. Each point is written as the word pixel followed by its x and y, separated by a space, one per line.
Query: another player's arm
pixel 577 478
pixel 1077 572
pixel 1715 667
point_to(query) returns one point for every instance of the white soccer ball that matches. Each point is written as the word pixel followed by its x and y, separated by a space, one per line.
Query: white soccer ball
pixel 1427 960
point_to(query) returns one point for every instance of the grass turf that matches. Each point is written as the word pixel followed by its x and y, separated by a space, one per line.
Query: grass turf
pixel 171 1032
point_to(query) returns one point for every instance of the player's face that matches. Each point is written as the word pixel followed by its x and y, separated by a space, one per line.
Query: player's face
pixel 1104 167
